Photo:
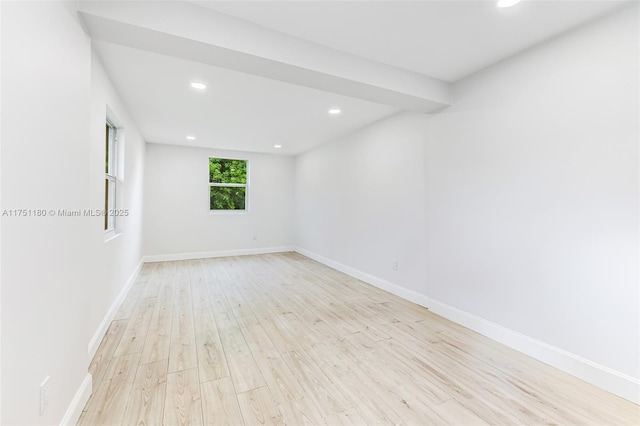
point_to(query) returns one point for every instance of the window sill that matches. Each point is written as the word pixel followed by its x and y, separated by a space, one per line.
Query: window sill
pixel 111 235
pixel 223 212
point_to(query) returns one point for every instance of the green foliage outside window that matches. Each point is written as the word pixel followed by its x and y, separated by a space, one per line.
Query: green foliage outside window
pixel 222 172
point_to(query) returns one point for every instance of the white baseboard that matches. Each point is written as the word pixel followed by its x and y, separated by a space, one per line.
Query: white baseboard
pixel 407 294
pixel 613 381
pixel 94 343
pixel 208 254
pixel 78 402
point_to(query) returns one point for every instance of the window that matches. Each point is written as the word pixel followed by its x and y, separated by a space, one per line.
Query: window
pixel 227 184
pixel 110 179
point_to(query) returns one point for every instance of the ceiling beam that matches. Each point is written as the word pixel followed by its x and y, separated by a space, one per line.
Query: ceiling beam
pixel 194 33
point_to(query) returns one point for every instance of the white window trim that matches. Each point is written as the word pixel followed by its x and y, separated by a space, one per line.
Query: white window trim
pixel 111 232
pixel 247 198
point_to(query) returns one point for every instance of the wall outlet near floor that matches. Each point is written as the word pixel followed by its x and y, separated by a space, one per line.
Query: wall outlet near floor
pixel 255 237
pixel 44 395
pixel 394 264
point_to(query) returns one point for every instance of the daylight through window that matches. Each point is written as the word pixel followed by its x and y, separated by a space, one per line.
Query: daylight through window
pixel 228 182
pixel 110 179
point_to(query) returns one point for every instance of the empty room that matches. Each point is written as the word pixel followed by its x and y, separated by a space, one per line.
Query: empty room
pixel 319 212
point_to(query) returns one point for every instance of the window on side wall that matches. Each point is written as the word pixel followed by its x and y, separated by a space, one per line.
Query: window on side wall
pixel 228 185
pixel 110 176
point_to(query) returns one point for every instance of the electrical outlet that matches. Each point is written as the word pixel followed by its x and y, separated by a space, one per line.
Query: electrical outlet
pixel 394 264
pixel 44 395
pixel 255 237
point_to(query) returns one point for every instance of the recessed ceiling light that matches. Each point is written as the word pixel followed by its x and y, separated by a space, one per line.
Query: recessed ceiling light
pixel 508 3
pixel 277 146
pixel 191 138
pixel 334 111
pixel 198 85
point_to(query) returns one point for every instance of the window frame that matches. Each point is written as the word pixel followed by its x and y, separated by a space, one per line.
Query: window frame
pixel 111 176
pixel 230 185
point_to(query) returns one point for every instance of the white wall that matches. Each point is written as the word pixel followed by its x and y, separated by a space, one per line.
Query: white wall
pixel 115 260
pixel 533 194
pixel 360 200
pixel 527 188
pixel 45 116
pixel 1 208
pixel 518 205
pixel 58 275
pixel 177 218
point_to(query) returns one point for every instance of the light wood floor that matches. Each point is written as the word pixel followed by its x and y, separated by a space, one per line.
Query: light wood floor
pixel 282 339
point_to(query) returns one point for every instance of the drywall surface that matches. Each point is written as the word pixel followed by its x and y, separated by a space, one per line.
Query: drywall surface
pixel 177 218
pixel 115 257
pixel 532 194
pixel 46 59
pixel 59 275
pixel 515 210
pixel 360 200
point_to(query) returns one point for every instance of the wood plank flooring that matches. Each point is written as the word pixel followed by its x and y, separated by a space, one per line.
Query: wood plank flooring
pixel 281 339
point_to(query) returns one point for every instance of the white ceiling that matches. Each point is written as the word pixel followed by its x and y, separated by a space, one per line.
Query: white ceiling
pixel 237 111
pixel 252 103
pixel 443 39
